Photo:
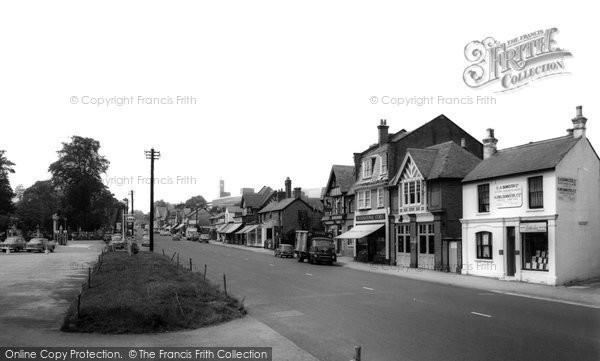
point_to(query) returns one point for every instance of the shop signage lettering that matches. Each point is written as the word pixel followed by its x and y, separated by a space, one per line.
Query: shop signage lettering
pixel 337 217
pixel 370 217
pixel 508 195
pixel 533 227
pixel 566 188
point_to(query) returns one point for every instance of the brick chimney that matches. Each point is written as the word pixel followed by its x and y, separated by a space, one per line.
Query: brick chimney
pixel 383 131
pixel 280 195
pixel 579 123
pixel 297 192
pixel 357 158
pixel 288 188
pixel 463 142
pixel 489 144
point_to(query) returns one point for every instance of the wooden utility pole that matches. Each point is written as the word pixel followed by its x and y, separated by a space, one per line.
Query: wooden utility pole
pixel 152 155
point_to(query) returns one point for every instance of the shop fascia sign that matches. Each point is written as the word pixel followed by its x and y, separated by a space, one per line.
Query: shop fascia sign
pixel 533 227
pixel 370 217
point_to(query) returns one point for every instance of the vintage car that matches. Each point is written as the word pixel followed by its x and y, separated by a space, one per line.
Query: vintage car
pixel 176 237
pixel 39 244
pixel 13 243
pixel 117 241
pixel 284 250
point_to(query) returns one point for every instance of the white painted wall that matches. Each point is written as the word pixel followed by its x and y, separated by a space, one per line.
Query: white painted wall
pixel 578 224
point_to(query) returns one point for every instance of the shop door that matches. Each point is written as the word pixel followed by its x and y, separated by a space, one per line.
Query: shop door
pixel 510 251
pixel 403 246
pixel 453 256
pixel 426 246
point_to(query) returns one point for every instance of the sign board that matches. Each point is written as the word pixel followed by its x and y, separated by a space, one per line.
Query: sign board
pixel 533 227
pixel 130 219
pixel 508 195
pixel 118 225
pixel 370 217
pixel 566 188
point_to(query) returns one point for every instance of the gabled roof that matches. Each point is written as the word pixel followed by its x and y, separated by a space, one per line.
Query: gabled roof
pixel 531 157
pixel 161 212
pixel 344 176
pixel 257 200
pixel 283 204
pixel 315 203
pixel 445 160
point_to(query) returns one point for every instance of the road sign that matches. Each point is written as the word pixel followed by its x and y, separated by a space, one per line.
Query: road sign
pixel 130 219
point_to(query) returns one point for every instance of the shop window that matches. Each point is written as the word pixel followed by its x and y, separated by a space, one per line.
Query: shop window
pixel 536 192
pixel 484 245
pixel 426 239
pixel 483 196
pixel 535 251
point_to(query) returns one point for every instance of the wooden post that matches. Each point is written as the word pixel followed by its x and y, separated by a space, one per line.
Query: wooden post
pixel 190 264
pixel 356 353
pixel 173 256
pixel 205 272
pixel 163 251
pixel 225 284
pixel 177 260
pixel 89 277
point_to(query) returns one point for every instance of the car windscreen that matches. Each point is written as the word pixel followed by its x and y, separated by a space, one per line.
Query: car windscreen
pixel 322 243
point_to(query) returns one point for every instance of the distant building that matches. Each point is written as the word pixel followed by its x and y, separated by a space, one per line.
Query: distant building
pixel 532 213
pixel 222 192
pixel 339 206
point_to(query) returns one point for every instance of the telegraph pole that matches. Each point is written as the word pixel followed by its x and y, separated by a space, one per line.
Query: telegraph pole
pixel 133 214
pixel 152 155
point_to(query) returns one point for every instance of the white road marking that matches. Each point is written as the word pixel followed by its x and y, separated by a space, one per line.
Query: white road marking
pixel 547 299
pixel 308 274
pixel 481 314
pixel 368 288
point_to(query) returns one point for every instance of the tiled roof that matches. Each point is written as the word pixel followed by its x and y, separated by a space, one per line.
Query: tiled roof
pixel 344 176
pixel 531 157
pixel 277 206
pixel 315 203
pixel 257 200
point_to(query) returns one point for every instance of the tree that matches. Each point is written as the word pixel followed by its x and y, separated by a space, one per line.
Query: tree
pixel 6 192
pixel 78 175
pixel 196 201
pixel 39 203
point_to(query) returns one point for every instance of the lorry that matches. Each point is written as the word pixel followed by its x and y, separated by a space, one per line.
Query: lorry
pixel 316 247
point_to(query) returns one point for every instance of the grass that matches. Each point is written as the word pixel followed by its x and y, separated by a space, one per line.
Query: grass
pixel 148 293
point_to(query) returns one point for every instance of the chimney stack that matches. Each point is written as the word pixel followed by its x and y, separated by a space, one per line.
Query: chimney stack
pixel 489 144
pixel 579 123
pixel 297 192
pixel 280 195
pixel 463 142
pixel 383 131
pixel 288 188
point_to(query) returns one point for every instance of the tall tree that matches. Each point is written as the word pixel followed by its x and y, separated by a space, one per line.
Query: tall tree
pixel 38 204
pixel 78 174
pixel 6 192
pixel 196 201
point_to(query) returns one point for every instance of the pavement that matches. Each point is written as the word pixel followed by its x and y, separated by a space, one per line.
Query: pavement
pixel 583 294
pixel 38 288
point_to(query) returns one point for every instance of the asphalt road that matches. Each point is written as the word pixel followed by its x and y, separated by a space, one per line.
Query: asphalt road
pixel 327 310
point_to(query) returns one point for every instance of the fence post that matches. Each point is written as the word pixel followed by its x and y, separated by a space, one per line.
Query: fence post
pixel 163 251
pixel 204 272
pixel 89 277
pixel 78 304
pixel 356 353
pixel 225 284
pixel 190 264
pixel 177 260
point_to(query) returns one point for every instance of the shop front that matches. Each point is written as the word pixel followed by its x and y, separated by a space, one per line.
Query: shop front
pixel 369 238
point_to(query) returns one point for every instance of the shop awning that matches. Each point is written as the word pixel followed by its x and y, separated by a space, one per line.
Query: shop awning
pixel 243 230
pixel 360 231
pixel 232 228
pixel 222 227
pixel 178 226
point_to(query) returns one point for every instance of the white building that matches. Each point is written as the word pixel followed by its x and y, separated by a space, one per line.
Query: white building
pixel 532 213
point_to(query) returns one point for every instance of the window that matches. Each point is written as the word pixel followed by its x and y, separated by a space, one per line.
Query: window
pixel 536 192
pixel 426 239
pixel 336 206
pixel 379 197
pixel 483 196
pixel 350 205
pixel 364 199
pixel 383 169
pixel 535 251
pixel 404 239
pixel 412 192
pixel 368 167
pixel 484 245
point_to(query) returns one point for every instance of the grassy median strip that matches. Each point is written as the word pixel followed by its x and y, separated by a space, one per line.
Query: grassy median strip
pixel 147 293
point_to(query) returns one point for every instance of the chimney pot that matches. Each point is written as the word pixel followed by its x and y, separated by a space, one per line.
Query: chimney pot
pixel 463 142
pixel 383 131
pixel 579 123
pixel 489 144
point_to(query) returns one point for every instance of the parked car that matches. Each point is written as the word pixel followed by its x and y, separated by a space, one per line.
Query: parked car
pixel 39 244
pixel 204 238
pixel 117 241
pixel 314 247
pixel 284 250
pixel 145 240
pixel 164 232
pixel 176 237
pixel 13 243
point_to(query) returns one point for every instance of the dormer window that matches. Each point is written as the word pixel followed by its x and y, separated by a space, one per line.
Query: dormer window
pixel 384 164
pixel 367 167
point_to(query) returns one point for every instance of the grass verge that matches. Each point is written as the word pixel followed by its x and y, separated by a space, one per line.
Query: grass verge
pixel 147 293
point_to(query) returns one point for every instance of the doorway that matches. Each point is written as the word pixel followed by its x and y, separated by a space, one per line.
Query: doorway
pixel 510 252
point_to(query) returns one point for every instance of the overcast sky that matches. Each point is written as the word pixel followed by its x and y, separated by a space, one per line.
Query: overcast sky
pixel 280 90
